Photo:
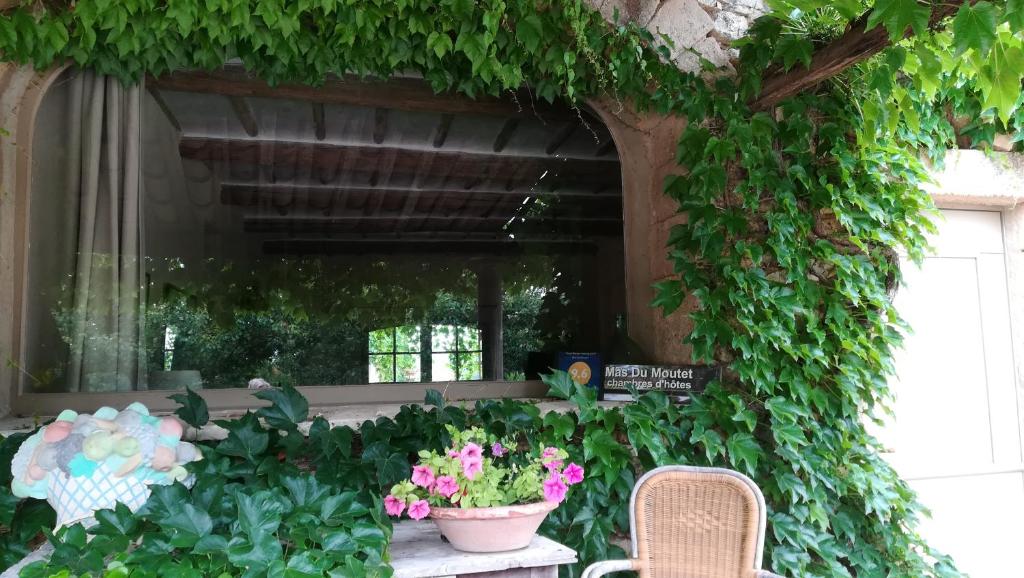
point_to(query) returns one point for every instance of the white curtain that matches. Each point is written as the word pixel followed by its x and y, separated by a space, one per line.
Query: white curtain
pixel 106 352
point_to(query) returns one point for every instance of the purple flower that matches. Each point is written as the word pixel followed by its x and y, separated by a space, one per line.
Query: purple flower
pixel 498 450
pixel 554 489
pixel 446 486
pixel 419 509
pixel 393 506
pixel 573 474
pixel 472 452
pixel 423 476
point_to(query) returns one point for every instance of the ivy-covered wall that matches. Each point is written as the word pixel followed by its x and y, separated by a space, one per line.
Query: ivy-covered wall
pixel 782 257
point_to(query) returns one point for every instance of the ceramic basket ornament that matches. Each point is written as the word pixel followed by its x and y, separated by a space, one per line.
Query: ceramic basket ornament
pixel 81 463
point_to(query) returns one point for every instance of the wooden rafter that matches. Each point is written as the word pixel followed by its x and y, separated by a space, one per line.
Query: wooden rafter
pixel 237 193
pixel 243 111
pixel 443 126
pixel 319 122
pixel 855 45
pixel 261 224
pixel 162 104
pixel 463 247
pixel 410 94
pixel 560 137
pixel 380 125
pixel 505 134
pixel 288 155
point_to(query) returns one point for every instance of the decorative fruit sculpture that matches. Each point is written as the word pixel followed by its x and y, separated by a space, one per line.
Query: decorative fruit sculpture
pixel 81 463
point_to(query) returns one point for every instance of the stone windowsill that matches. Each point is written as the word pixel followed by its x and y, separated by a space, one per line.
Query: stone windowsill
pixel 345 415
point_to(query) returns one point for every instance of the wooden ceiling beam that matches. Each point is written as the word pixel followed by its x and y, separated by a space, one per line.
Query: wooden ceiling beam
pixel 583 173
pixel 441 134
pixel 380 125
pixel 313 221
pixel 244 114
pixel 256 190
pixel 319 122
pixel 410 94
pixel 505 134
pixel 162 104
pixel 464 247
pixel 560 137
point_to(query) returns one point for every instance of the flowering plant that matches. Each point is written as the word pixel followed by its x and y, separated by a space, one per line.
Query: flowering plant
pixel 481 471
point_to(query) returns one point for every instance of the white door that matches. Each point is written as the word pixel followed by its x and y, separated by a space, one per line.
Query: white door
pixel 956 435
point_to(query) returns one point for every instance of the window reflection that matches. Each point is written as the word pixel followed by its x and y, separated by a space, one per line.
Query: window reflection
pixel 356 245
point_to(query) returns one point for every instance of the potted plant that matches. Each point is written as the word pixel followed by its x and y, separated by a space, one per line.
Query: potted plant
pixel 483 494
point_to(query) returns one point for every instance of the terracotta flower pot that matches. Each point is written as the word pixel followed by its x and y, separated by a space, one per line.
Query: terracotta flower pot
pixel 491 529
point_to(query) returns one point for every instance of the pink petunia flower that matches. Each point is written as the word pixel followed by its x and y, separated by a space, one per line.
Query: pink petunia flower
pixel 554 489
pixel 549 452
pixel 498 450
pixel 393 506
pixel 423 476
pixel 419 509
pixel 553 465
pixel 471 467
pixel 573 474
pixel 446 486
pixel 472 452
pixel 453 454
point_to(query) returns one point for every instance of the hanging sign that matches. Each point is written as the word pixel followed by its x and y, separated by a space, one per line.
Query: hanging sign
pixel 677 381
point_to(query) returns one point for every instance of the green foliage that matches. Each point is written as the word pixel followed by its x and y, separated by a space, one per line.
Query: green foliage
pixel 192 408
pixel 21 521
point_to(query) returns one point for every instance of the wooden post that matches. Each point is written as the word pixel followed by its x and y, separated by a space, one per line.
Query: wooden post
pixel 489 320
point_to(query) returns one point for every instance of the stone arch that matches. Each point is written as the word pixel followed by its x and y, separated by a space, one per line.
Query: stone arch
pixel 22 89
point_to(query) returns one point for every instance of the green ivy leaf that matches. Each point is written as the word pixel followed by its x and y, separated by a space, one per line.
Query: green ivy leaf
pixel 434 398
pixel 193 409
pixel 246 438
pixel 1003 80
pixel 899 15
pixel 530 31
pixel 743 449
pixel 669 296
pixel 186 525
pixel 793 49
pixel 439 42
pixel 392 469
pixel 1013 13
pixel 288 407
pixel 974 27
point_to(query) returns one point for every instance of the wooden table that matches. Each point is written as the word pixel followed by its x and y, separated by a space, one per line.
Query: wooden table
pixel 417 551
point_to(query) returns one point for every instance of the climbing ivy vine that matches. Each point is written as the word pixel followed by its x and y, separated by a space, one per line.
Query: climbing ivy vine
pixel 796 217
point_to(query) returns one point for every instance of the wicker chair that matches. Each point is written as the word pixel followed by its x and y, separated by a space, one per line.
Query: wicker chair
pixel 690 522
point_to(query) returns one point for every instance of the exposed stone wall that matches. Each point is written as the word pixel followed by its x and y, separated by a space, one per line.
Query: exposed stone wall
pixel 698 28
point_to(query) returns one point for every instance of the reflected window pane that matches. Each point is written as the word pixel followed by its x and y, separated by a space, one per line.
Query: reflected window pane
pixel 442 367
pixel 407 368
pixel 407 339
pixel 442 338
pixel 382 341
pixel 470 366
pixel 469 339
pixel 382 368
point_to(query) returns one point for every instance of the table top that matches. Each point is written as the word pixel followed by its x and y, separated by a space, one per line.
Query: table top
pixel 417 551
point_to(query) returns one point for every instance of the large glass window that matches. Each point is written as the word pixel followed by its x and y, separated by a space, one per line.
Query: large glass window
pixel 206 229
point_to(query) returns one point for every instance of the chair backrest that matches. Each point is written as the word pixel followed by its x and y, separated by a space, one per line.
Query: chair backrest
pixel 690 522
